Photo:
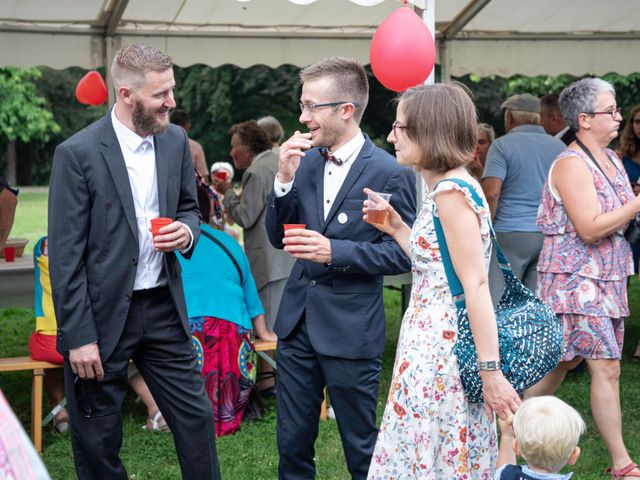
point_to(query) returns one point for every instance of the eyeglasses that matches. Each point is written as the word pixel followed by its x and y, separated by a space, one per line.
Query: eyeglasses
pixel 311 107
pixel 613 113
pixel 395 125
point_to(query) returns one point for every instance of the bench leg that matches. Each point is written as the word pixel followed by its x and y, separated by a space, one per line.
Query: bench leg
pixel 36 409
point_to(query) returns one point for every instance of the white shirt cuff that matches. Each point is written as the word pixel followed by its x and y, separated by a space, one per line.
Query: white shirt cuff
pixel 281 189
pixel 190 241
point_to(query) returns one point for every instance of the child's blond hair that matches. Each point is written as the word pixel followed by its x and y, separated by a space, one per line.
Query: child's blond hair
pixel 547 431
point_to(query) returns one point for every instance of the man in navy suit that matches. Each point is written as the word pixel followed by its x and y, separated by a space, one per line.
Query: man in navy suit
pixel 331 322
pixel 117 290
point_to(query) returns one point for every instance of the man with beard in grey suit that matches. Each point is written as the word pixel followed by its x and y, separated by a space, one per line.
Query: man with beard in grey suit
pixel 117 290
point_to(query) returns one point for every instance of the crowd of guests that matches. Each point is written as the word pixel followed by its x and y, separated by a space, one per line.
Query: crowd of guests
pixel 191 300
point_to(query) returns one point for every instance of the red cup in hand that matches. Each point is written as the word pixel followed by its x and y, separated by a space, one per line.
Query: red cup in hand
pixel 221 175
pixel 158 223
pixel 291 226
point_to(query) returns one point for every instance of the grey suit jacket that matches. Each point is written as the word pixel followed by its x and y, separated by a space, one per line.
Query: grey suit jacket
pixel 248 210
pixel 93 235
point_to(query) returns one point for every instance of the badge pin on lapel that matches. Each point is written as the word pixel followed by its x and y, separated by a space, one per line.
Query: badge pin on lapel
pixel 342 218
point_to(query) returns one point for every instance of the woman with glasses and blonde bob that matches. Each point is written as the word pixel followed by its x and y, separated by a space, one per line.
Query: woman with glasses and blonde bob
pixel 586 205
pixel 430 430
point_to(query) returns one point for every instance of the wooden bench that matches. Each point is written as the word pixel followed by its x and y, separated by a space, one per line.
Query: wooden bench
pixel 262 346
pixel 38 367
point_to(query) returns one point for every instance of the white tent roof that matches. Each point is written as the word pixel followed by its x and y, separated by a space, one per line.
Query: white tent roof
pixel 501 37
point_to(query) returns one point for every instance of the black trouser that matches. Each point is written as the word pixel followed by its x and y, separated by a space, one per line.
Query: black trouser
pixel 154 337
pixel 353 389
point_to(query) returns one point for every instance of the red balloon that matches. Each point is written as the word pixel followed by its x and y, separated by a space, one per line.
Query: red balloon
pixel 402 52
pixel 91 89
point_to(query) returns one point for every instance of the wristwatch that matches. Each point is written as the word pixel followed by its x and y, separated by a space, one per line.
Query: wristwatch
pixel 489 365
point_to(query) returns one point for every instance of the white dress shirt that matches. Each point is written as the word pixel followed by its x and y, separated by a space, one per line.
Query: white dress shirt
pixel 334 175
pixel 140 158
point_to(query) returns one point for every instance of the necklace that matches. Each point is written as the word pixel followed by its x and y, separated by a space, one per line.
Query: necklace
pixel 606 164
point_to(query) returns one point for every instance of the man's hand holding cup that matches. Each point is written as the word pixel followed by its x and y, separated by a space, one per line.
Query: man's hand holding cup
pixel 169 235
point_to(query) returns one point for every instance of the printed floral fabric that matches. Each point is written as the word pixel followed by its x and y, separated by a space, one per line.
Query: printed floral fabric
pixel 586 284
pixel 227 359
pixel 429 430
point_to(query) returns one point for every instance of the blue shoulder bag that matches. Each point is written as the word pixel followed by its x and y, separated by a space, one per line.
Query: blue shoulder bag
pixel 529 334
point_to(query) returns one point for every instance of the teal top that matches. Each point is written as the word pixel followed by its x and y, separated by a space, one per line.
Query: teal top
pixel 212 285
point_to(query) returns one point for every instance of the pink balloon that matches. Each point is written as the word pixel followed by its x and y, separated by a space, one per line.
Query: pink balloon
pixel 402 52
pixel 91 89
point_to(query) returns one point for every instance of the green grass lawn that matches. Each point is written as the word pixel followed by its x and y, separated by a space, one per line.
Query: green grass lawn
pixel 252 453
pixel 31 216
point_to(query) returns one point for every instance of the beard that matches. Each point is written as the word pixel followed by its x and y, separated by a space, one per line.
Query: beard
pixel 145 121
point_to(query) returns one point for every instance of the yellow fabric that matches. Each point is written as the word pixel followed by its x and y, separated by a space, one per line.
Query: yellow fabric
pixel 45 325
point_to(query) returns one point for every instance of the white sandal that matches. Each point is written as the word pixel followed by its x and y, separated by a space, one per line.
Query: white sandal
pixel 158 423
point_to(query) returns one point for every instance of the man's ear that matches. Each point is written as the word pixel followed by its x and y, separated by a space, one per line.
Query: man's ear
pixel 126 94
pixel 348 111
pixel 573 458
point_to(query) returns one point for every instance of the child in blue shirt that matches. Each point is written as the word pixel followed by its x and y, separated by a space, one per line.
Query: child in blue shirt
pixel 545 432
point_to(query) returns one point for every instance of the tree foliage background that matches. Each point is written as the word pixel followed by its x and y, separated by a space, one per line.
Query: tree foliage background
pixel 216 98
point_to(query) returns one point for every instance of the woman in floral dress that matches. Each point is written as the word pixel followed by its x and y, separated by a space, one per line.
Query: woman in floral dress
pixel 429 429
pixel 586 205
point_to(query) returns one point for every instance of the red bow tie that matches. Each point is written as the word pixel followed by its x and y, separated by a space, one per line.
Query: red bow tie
pixel 328 156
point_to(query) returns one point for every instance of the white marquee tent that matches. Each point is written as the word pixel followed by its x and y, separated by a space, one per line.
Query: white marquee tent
pixel 501 37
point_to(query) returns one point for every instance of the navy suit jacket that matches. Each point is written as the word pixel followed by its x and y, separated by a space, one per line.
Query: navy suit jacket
pixel 342 302
pixel 93 233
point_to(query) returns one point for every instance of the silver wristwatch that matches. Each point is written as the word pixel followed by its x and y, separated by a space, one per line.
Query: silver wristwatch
pixel 489 365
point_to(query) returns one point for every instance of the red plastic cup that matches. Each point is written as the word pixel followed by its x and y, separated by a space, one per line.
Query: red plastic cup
pixel 221 174
pixel 9 254
pixel 291 226
pixel 158 223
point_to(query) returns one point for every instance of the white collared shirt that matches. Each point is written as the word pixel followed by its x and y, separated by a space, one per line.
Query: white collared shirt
pixel 334 175
pixel 140 159
pixel 561 133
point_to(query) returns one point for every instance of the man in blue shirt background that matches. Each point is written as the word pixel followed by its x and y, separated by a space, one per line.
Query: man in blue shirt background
pixel 516 169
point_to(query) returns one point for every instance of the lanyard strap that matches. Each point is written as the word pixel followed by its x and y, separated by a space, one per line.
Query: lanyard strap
pixel 590 155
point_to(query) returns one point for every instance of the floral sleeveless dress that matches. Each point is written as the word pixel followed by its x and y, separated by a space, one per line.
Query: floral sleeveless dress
pixel 586 284
pixel 429 430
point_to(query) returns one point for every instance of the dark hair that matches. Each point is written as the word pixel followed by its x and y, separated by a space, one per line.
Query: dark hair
pixel 550 100
pixel 251 136
pixel 628 141
pixel 179 117
pixel 349 81
pixel 441 119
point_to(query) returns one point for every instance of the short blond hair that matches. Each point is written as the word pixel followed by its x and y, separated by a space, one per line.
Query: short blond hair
pixel 132 62
pixel 349 81
pixel 547 431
